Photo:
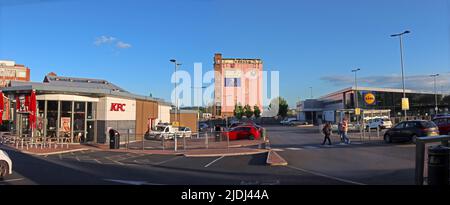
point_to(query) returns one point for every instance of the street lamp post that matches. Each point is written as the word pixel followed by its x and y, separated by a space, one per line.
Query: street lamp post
pixel 400 35
pixel 312 112
pixel 176 98
pixel 356 87
pixel 356 94
pixel 436 108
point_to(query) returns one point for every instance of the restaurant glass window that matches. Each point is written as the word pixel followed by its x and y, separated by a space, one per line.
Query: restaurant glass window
pixel 79 121
pixel 91 107
pixel 52 118
pixel 40 119
pixel 66 119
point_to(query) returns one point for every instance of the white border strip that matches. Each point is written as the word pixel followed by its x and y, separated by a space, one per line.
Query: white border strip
pixel 209 164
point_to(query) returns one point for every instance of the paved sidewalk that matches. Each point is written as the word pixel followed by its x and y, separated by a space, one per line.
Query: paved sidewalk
pixel 211 152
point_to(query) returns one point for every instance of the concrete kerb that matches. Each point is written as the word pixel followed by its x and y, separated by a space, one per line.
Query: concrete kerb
pixel 233 154
pixel 274 159
pixel 53 153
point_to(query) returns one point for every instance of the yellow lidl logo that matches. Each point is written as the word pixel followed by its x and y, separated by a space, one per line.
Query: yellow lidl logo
pixel 369 98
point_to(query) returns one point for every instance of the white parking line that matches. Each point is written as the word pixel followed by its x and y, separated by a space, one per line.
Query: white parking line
pixel 209 164
pixel 171 159
pixel 294 148
pixel 326 176
pixel 12 180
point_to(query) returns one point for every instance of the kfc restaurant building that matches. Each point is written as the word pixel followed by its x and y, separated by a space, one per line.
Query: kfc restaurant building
pixel 81 109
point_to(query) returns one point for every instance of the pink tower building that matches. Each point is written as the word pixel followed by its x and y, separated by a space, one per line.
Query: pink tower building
pixel 237 82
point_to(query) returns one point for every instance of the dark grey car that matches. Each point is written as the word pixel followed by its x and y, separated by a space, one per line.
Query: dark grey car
pixel 410 130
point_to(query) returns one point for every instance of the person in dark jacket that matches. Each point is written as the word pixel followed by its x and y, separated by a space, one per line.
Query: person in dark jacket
pixel 326 130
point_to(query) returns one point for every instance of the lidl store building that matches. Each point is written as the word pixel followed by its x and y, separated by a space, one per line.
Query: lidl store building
pixel 84 109
pixel 373 102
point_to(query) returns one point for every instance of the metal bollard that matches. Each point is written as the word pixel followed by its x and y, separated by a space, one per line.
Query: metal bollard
pixel 176 143
pixel 163 142
pixel 438 165
pixel 206 141
pixel 184 142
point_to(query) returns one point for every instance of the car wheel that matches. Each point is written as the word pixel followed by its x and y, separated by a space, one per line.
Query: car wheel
pixel 414 139
pixel 251 137
pixel 387 138
pixel 4 169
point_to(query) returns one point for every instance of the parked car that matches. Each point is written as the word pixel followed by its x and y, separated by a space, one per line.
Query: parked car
pixel 410 130
pixel 235 124
pixel 184 132
pixel 287 120
pixel 296 122
pixel 161 130
pixel 381 123
pixel 203 127
pixel 244 132
pixel 443 123
pixel 351 127
pixel 5 164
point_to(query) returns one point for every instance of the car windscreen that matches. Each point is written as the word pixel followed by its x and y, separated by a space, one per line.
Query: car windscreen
pixel 427 124
pixel 158 128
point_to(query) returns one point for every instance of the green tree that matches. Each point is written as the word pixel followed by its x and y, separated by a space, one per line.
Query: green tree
pixel 248 111
pixel 238 111
pixel 256 111
pixel 282 107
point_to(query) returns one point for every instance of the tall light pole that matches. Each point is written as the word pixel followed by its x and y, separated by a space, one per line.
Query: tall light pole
pixel 356 87
pixel 400 35
pixel 436 108
pixel 356 95
pixel 311 92
pixel 175 86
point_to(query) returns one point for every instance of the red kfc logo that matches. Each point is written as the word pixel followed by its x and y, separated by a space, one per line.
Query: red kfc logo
pixel 117 107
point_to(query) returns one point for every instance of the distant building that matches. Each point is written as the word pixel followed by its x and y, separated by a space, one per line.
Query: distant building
pixel 237 81
pixel 10 71
pixel 373 102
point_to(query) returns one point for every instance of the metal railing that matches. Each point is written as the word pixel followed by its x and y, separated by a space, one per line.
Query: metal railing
pixel 420 154
pixel 185 141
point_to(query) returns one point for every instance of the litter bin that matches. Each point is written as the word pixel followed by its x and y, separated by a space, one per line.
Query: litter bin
pixel 217 130
pixel 438 165
pixel 114 139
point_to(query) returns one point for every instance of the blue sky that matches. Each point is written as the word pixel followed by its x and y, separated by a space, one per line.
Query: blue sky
pixel 312 43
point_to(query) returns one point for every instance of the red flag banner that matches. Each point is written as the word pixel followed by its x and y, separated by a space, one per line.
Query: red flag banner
pixel 32 109
pixel 2 106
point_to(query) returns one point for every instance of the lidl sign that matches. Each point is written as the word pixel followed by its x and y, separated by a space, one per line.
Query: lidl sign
pixel 369 98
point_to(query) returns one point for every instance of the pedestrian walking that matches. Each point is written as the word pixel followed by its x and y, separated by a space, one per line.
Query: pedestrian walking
pixel 340 131
pixel 345 131
pixel 327 133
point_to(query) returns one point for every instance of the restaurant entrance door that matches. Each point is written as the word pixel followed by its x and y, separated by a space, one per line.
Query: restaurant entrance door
pixel 90 131
pixel 23 125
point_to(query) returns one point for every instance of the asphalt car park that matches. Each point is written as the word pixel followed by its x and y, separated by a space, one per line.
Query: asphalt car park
pixel 363 161
pixel 309 163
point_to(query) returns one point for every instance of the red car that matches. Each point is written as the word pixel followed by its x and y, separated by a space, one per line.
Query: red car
pixel 444 124
pixel 244 132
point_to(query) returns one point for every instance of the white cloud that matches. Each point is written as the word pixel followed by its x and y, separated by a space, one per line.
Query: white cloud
pixel 104 40
pixel 123 45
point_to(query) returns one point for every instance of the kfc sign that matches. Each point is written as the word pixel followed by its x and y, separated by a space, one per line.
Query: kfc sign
pixel 116 107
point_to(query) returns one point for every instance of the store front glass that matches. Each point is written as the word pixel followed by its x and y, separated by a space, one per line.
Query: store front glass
pixel 52 118
pixel 79 121
pixel 65 119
